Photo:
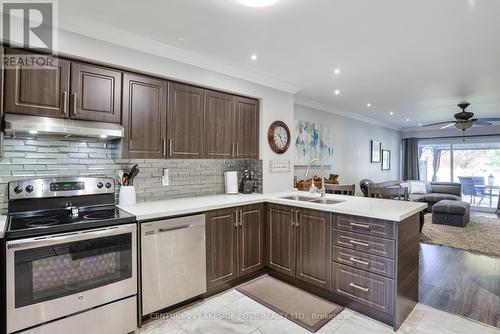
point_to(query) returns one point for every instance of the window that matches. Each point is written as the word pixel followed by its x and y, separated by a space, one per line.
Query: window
pixel 474 163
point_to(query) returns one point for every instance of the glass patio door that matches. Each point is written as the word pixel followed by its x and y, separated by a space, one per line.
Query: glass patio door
pixel 477 167
pixel 474 163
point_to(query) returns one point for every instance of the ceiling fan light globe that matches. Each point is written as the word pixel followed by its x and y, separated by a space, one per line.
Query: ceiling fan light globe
pixel 463 125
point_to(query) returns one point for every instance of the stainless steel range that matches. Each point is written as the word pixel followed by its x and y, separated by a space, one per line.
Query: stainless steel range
pixel 70 257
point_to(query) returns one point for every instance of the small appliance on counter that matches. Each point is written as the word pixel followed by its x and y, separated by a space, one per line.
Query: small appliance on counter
pixel 231 181
pixel 247 183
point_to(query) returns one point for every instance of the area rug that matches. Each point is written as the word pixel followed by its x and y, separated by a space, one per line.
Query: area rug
pixel 305 309
pixel 481 235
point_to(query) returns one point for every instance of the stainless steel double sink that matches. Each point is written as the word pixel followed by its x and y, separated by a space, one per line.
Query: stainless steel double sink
pixel 320 200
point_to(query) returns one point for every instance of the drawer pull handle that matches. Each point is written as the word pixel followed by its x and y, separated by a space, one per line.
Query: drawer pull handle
pixel 359 287
pixel 360 225
pixel 365 263
pixel 364 244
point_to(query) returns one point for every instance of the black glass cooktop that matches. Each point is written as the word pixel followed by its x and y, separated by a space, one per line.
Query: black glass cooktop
pixel 55 221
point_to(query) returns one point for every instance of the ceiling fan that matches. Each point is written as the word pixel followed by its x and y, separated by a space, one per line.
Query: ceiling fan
pixel 464 120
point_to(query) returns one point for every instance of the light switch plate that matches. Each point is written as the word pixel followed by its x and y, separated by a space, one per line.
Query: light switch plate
pixel 165 179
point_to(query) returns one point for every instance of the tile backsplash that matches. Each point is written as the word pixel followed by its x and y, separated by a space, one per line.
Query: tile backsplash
pixel 50 157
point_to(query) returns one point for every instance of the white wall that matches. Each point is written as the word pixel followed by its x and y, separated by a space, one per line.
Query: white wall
pixel 351 144
pixel 275 104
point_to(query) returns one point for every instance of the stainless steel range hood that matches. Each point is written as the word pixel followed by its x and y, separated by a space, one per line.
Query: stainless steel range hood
pixel 17 125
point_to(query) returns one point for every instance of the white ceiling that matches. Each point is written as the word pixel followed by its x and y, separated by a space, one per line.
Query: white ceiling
pixel 416 58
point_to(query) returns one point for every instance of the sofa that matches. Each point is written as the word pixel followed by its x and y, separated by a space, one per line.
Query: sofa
pixel 436 191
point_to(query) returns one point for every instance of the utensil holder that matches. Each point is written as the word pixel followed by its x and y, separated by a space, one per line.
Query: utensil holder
pixel 127 195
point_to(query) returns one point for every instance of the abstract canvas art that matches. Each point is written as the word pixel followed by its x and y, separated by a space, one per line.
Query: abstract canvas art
pixel 313 141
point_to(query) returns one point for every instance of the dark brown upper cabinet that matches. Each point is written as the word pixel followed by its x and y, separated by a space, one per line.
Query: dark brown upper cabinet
pixel 38 92
pixel 247 128
pixel 313 246
pixel 250 239
pixel 144 117
pixel 95 93
pixel 221 238
pixel 185 122
pixel 219 125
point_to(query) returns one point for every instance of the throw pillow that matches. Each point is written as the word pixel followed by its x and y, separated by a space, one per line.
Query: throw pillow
pixel 418 188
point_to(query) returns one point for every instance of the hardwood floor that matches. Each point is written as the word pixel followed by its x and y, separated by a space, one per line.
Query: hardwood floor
pixel 460 282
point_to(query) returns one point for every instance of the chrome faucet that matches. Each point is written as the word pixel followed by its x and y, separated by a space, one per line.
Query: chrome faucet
pixel 313 188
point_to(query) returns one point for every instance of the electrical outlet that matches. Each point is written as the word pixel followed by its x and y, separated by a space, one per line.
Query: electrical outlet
pixel 165 179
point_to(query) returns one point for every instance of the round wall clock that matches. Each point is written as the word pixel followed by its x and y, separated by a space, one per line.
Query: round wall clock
pixel 279 137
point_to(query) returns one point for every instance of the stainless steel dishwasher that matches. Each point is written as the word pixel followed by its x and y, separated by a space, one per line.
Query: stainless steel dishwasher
pixel 172 261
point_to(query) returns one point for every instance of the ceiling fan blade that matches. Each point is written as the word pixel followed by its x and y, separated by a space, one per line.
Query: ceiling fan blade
pixel 482 123
pixel 440 123
pixel 447 126
pixel 490 119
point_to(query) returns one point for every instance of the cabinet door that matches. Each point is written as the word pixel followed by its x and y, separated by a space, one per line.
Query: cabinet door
pixel 185 122
pixel 40 91
pixel 313 247
pixel 281 239
pixel 95 93
pixel 219 125
pixel 250 239
pixel 221 228
pixel 247 128
pixel 144 117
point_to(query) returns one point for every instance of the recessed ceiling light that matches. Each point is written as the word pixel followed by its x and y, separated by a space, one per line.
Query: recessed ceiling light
pixel 336 92
pixel 391 113
pixel 258 3
pixel 33 132
pixel 336 71
pixel 420 124
pixel 104 136
pixel 254 57
pixel 407 119
pixel 369 105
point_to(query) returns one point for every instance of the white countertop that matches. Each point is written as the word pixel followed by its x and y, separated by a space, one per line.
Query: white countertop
pixel 351 205
pixel 3 220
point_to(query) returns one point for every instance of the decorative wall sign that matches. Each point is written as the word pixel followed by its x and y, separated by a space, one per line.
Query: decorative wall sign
pixel 386 160
pixel 279 166
pixel 376 151
pixel 313 141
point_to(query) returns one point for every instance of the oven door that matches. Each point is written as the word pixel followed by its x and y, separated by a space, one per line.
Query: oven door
pixel 54 276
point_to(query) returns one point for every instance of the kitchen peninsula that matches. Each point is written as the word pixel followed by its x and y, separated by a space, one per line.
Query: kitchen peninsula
pixel 359 252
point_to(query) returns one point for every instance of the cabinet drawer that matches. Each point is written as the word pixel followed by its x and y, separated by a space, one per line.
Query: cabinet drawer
pixel 364 243
pixel 375 264
pixel 370 289
pixel 375 227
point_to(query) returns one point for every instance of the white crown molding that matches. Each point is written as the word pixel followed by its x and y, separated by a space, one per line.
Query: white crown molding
pixel 303 101
pixel 109 34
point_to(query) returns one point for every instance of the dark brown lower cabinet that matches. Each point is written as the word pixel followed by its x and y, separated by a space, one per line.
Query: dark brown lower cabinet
pixel 221 228
pixel 250 239
pixel 299 243
pixel 235 243
pixel 313 247
pixel 281 238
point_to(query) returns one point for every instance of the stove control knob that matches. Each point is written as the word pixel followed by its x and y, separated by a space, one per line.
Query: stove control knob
pixel 29 188
pixel 108 185
pixel 18 189
pixel 99 185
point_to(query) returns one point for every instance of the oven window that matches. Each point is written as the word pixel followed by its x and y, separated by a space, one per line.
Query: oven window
pixel 60 270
